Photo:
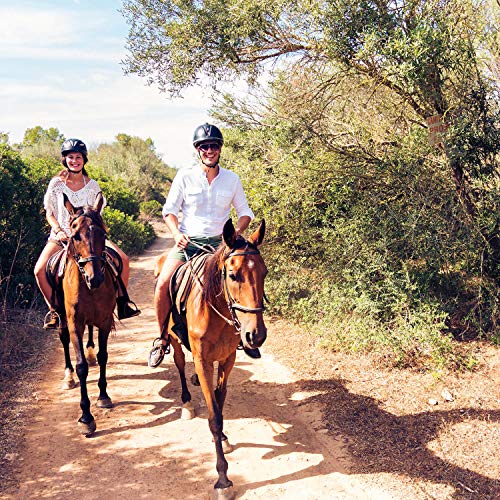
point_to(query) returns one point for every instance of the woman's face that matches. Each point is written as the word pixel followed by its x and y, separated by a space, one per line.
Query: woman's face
pixel 74 161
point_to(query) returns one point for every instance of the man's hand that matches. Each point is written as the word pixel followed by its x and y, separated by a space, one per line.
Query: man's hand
pixel 181 240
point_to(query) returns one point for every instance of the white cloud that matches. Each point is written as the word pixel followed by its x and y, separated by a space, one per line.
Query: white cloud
pixel 22 27
pixel 60 68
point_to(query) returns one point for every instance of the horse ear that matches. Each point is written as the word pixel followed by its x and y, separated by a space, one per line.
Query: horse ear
pixel 99 200
pixel 69 207
pixel 258 236
pixel 229 233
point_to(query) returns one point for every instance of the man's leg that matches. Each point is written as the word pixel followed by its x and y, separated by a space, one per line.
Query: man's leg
pixel 162 305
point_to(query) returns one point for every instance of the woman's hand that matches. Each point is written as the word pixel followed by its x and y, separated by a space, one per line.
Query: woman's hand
pixel 181 240
pixel 61 235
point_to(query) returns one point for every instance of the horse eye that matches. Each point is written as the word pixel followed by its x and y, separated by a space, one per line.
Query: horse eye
pixel 232 276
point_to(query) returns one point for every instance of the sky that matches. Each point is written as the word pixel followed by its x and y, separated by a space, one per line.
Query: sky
pixel 60 67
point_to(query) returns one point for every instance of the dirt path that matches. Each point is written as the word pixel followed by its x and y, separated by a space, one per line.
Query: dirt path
pixel 143 450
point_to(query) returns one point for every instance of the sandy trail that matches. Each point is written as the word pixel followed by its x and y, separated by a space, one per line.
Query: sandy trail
pixel 142 449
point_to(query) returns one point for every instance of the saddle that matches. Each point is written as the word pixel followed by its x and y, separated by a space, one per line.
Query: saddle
pixel 181 285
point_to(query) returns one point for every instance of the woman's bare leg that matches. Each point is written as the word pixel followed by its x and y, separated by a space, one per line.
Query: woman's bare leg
pixel 41 278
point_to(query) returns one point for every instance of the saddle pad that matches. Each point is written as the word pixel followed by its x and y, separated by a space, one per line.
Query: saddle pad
pixel 55 267
pixel 183 279
pixel 180 288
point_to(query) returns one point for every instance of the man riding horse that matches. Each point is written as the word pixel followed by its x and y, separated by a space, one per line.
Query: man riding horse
pixel 204 194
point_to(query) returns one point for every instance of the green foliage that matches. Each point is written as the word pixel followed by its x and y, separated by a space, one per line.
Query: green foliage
pixel 117 193
pixel 134 163
pixel 21 225
pixel 41 143
pixel 150 209
pixel 130 235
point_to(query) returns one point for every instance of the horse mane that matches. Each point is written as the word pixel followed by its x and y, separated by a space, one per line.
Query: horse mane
pixel 212 278
pixel 212 282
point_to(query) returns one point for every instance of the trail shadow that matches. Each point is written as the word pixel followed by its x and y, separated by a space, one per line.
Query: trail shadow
pixel 380 442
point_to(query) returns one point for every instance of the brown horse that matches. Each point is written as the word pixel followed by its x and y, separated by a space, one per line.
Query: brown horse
pixel 225 304
pixel 89 299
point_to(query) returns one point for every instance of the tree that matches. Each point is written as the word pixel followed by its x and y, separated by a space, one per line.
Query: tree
pixel 428 54
pixel 135 162
pixel 41 143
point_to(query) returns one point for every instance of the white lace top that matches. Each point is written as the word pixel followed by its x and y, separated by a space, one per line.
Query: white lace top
pixel 53 200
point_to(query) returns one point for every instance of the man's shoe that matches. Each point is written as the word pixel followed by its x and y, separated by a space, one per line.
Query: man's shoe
pixel 52 320
pixel 158 352
pixel 252 353
pixel 124 308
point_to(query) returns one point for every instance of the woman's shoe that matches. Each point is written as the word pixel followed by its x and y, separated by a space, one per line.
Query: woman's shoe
pixel 124 309
pixel 52 320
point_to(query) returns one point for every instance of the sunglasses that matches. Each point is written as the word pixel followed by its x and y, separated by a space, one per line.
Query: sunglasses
pixel 212 146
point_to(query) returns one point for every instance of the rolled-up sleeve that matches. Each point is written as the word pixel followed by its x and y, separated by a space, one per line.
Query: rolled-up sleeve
pixel 174 199
pixel 240 202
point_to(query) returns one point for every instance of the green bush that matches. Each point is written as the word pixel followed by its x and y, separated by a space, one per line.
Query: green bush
pixel 22 226
pixel 129 234
pixel 150 209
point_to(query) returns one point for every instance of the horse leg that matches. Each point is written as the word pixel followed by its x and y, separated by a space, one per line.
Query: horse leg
pixel 69 379
pixel 86 422
pixel 188 411
pixel 221 390
pixel 223 487
pixel 104 401
pixel 91 357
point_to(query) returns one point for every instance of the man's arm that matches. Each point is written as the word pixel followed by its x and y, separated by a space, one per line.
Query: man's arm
pixel 172 222
pixel 242 224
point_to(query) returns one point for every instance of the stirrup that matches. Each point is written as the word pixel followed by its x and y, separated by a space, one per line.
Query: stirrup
pixel 52 320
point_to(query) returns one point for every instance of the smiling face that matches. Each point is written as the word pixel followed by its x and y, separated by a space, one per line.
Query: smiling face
pixel 74 162
pixel 209 153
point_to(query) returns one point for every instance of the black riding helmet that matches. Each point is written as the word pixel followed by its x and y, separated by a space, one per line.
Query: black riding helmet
pixel 205 133
pixel 74 146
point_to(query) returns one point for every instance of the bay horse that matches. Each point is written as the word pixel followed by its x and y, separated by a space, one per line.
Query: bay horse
pixel 89 300
pixel 224 305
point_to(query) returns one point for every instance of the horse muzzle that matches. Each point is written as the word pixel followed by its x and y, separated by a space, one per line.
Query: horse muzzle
pixel 95 280
pixel 253 337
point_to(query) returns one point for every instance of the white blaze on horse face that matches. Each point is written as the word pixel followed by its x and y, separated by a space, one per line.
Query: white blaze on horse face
pixel 250 264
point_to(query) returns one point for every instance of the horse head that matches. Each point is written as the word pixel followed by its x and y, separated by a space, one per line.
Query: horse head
pixel 243 273
pixel 87 242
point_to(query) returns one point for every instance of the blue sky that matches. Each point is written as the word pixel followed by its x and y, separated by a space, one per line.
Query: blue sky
pixel 60 67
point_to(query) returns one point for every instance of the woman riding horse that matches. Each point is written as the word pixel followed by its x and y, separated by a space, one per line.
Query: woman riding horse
pixel 74 182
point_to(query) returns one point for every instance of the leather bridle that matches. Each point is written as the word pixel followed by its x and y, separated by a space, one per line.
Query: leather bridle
pixel 231 302
pixel 91 258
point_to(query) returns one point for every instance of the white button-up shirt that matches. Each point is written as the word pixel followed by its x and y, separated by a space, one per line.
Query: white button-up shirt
pixel 205 207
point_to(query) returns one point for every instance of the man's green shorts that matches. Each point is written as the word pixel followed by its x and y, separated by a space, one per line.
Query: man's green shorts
pixel 205 241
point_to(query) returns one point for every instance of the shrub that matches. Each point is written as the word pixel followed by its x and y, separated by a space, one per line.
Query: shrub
pixel 130 235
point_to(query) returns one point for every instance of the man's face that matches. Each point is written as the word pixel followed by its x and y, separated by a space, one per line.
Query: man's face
pixel 209 153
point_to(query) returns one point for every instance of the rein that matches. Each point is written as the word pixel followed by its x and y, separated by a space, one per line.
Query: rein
pixel 231 303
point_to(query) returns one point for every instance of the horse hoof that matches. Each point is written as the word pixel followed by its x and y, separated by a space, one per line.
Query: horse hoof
pixel 68 384
pixel 226 446
pixel 91 357
pixel 224 493
pixel 188 411
pixel 87 429
pixel 104 403
pixel 195 380
pixel 69 380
